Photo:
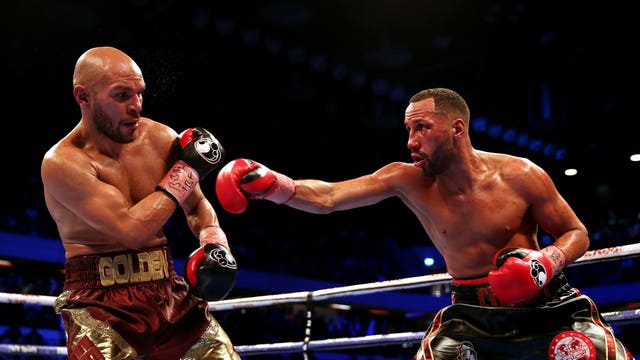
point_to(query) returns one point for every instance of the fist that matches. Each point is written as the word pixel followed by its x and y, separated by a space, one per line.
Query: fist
pixel 244 179
pixel 211 271
pixel 520 274
pixel 201 150
pixel 200 153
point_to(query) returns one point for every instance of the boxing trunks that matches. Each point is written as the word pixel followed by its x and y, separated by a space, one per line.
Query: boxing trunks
pixel 560 324
pixel 132 305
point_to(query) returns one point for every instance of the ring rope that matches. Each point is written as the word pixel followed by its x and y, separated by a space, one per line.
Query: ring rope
pixel 617 252
pixel 289 347
pixel 591 256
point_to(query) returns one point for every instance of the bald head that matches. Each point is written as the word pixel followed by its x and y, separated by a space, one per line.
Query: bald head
pixel 100 64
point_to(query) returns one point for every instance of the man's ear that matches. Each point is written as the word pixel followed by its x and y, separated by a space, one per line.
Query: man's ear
pixel 81 94
pixel 458 126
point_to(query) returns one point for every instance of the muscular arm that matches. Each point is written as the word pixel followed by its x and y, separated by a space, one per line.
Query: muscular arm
pixel 199 212
pixel 321 197
pixel 75 194
pixel 244 179
pixel 554 215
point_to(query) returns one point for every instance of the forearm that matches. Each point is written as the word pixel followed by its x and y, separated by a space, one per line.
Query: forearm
pixel 142 221
pixel 574 244
pixel 243 179
pixel 199 213
pixel 313 196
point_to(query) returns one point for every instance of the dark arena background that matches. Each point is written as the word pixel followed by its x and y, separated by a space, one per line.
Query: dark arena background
pixel 317 89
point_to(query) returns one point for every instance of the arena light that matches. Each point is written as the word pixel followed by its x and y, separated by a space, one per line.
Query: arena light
pixel 509 135
pixel 479 124
pixel 494 131
pixel 251 37
pixel 535 145
pixel 549 150
pixel 340 307
pixel 318 64
pixel 561 154
pixel 340 72
pixel 273 45
pixel 521 139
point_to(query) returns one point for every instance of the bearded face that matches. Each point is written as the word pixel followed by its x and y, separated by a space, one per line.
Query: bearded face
pixel 105 125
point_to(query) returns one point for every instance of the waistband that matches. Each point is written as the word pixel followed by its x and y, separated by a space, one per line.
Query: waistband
pixel 474 281
pixel 118 268
pixel 477 291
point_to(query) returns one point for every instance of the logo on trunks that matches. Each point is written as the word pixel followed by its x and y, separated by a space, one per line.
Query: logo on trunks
pixel 572 345
pixel 120 269
pixel 209 150
pixel 538 272
pixel 466 351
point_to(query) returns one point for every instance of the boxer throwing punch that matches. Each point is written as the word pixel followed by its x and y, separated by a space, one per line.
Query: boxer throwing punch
pixel 110 185
pixel 482 211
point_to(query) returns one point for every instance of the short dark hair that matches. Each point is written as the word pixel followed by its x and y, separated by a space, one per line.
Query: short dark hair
pixel 446 100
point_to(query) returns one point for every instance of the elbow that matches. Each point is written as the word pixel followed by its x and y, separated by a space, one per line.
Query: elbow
pixel 586 243
pixel 137 237
pixel 580 243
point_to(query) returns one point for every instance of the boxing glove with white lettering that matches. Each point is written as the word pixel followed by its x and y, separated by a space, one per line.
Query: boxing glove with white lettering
pixel 522 273
pixel 200 154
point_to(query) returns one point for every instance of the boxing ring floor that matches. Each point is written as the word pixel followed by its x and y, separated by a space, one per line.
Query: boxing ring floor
pixel 308 345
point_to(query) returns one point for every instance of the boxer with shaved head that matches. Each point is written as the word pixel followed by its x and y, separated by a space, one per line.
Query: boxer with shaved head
pixel 111 184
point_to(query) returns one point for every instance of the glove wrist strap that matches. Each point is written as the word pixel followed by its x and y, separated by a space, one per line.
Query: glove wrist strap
pixel 284 189
pixel 213 234
pixel 179 181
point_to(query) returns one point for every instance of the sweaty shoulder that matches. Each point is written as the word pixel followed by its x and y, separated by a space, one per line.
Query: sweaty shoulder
pixel 68 152
pixel 520 173
pixel 75 152
pixel 513 167
pixel 402 176
pixel 155 132
pixel 159 129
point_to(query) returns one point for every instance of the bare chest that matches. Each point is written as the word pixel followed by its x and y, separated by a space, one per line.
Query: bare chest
pixel 135 175
pixel 489 215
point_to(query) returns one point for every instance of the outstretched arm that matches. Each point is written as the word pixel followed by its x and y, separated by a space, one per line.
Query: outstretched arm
pixel 241 180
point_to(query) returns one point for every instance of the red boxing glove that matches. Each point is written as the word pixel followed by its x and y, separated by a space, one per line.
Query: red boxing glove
pixel 522 273
pixel 244 179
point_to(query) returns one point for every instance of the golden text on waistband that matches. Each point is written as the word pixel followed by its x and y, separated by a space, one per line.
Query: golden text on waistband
pixel 120 269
